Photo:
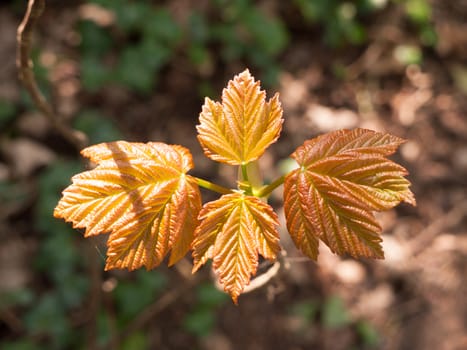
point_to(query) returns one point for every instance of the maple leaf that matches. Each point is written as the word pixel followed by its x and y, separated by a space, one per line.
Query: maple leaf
pixel 233 230
pixel 140 193
pixel 342 178
pixel 240 129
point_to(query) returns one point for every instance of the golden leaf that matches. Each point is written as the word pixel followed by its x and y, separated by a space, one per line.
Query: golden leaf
pixel 233 230
pixel 141 195
pixel 240 129
pixel 342 178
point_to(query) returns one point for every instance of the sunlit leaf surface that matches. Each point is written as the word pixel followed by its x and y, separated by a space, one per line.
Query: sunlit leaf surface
pixel 233 230
pixel 240 129
pixel 141 195
pixel 343 177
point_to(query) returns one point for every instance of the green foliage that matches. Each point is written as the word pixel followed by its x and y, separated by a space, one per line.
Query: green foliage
pixel 334 313
pixel 246 32
pixel 95 42
pixel 198 35
pixel 147 39
pixel 419 12
pixel 51 184
pixel 137 340
pixel 19 345
pixel 48 317
pixel 139 64
pixel 202 318
pixel 97 127
pixel 134 295
pixel 13 193
pixel 368 334
pixel 408 54
pixel 19 297
pixel 340 19
pixel 143 40
pixel 60 262
pixel 7 112
pixel 305 310
pixel 104 325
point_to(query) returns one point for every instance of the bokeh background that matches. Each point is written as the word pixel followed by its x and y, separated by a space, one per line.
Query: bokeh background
pixel 139 71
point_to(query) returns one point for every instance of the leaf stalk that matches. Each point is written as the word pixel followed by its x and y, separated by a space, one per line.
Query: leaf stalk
pixel 266 190
pixel 212 186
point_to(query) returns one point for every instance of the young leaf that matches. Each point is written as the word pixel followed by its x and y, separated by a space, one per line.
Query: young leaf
pixel 233 230
pixel 342 178
pixel 140 193
pixel 240 129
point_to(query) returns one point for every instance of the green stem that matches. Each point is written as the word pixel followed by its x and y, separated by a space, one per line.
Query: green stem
pixel 244 172
pixel 266 190
pixel 212 186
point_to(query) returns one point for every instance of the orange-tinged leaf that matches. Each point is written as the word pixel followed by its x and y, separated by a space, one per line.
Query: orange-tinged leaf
pixel 141 195
pixel 240 129
pixel 234 229
pixel 342 178
pixel 299 222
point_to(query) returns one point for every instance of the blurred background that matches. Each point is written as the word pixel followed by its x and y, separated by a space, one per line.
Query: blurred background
pixel 139 71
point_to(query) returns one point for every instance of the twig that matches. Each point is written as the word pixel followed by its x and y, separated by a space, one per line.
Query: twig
pixel 367 59
pixel 255 283
pixel 263 279
pixel 452 218
pixel 26 74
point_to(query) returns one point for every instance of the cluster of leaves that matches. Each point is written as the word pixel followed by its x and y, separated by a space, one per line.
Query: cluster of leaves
pixel 146 38
pixel 343 20
pixel 340 19
pixel 143 195
pixel 201 319
pixel 246 32
pixel 151 36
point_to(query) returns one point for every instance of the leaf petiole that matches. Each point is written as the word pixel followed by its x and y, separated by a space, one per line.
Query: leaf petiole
pixel 266 190
pixel 244 172
pixel 212 186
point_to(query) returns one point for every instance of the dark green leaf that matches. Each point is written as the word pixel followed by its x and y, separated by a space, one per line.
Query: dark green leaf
pixel 95 40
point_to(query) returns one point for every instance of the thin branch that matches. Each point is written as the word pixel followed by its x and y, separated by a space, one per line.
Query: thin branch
pixel 263 279
pixel 452 218
pixel 26 74
pixel 257 282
